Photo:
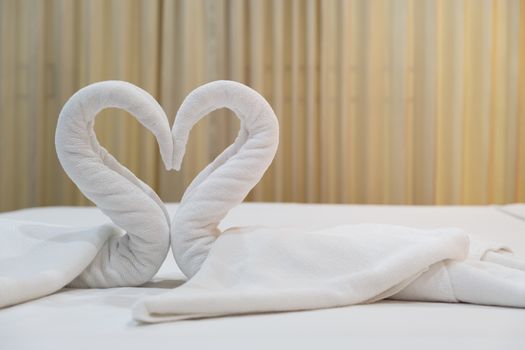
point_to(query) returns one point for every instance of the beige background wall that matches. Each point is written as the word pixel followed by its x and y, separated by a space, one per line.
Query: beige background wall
pixel 379 101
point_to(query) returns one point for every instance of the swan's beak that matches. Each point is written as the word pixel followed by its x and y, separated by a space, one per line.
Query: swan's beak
pixel 177 168
pixel 166 154
pixel 178 154
pixel 168 162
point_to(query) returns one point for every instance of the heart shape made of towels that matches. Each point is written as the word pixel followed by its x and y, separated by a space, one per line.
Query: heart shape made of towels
pixel 39 259
pixel 252 269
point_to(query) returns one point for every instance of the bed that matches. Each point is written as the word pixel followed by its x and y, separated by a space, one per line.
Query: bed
pixel 101 318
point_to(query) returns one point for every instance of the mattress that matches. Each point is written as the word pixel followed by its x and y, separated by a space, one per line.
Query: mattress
pixel 101 318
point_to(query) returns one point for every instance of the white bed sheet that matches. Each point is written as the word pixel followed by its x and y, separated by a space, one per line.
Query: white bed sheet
pixel 100 319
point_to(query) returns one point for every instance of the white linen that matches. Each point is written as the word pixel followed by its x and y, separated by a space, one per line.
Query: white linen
pixel 258 269
pixel 37 259
pixel 100 318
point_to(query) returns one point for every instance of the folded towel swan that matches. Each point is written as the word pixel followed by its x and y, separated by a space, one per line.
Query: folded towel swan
pixel 38 259
pixel 134 258
pixel 240 270
pixel 258 269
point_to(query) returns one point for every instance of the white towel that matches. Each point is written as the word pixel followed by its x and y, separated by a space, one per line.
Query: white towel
pixel 257 269
pixel 38 259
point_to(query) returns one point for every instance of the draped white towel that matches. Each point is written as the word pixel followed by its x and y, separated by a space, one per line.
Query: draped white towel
pixel 257 269
pixel 38 259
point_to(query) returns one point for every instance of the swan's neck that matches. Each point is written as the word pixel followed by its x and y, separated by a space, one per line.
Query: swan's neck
pixel 229 178
pixel 77 144
pixel 128 201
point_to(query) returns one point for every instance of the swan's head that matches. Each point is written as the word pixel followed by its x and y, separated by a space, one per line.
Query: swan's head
pixel 246 103
pixel 180 133
pixel 77 115
pixel 178 153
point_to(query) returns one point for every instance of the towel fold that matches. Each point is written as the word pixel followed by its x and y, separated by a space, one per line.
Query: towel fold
pixel 38 259
pixel 261 269
pixel 256 269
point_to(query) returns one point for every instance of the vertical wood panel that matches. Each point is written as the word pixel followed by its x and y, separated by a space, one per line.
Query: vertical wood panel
pixel 520 129
pixel 8 97
pixel 298 102
pixel 449 104
pixel 278 71
pixel 375 100
pixel 424 101
pixel 498 104
pixel 328 102
pixel 312 112
pixel 408 142
pixel 346 99
pixel 397 70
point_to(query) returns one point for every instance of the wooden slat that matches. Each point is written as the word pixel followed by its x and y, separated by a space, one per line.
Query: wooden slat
pixel 312 151
pixel 22 106
pixel 375 99
pixel 8 96
pixel 359 123
pixel 408 143
pixel 498 105
pixel 395 157
pixel 424 102
pixel 512 58
pixel 277 93
pixel 347 28
pixel 477 98
pixel 520 129
pixel 449 100
pixel 297 168
pixel 328 116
